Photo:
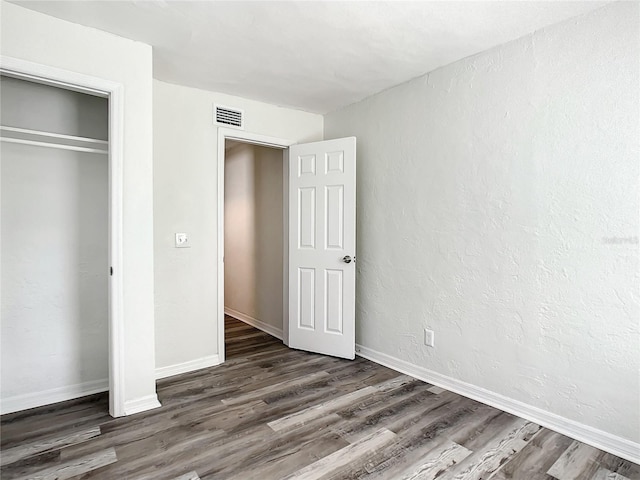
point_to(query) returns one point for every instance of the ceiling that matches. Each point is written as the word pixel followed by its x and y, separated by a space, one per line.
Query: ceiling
pixel 316 56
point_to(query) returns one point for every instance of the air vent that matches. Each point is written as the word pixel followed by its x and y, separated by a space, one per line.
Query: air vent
pixel 229 117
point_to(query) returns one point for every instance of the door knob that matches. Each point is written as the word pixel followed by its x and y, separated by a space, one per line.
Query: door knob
pixel 346 259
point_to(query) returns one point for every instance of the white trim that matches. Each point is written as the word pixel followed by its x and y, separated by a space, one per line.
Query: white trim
pixel 252 138
pixel 53 76
pixel 186 367
pixel 285 247
pixel 54 395
pixel 142 404
pixel 246 137
pixel 618 446
pixel 117 363
pixel 114 91
pixel 254 322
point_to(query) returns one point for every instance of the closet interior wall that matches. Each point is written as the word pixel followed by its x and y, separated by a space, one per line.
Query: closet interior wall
pixel 54 244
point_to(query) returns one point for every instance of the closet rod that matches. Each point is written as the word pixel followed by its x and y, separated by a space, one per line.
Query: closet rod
pixel 54 145
pixel 53 135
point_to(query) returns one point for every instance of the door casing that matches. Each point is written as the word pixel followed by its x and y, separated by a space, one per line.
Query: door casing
pixel 266 141
pixel 114 91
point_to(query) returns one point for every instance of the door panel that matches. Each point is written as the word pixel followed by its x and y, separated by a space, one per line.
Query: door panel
pixel 322 191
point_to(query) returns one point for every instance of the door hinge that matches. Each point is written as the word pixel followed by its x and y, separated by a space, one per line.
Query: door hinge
pixel 111 271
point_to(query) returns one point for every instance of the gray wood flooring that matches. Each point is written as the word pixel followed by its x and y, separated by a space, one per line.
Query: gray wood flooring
pixel 274 413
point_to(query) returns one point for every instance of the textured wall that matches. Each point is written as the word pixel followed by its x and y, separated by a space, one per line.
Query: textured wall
pixel 54 272
pixel 498 205
pixel 254 232
pixel 185 200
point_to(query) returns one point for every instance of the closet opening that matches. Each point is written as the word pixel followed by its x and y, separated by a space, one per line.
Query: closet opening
pixel 254 244
pixel 60 237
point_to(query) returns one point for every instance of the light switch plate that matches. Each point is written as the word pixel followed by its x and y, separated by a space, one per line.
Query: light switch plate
pixel 182 240
pixel 429 337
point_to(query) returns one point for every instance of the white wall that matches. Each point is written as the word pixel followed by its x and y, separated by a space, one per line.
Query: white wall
pixel 54 214
pixel 46 40
pixel 185 193
pixel 498 205
pixel 54 275
pixel 253 234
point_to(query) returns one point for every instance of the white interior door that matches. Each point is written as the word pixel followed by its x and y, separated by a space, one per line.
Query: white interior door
pixel 322 247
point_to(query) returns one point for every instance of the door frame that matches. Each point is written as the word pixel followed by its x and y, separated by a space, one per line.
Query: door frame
pixel 114 92
pixel 265 141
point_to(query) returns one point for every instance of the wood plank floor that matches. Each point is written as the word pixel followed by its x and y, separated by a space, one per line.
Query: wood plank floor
pixel 274 413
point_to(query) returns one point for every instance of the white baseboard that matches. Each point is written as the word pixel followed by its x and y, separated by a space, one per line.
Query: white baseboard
pixel 141 404
pixel 54 395
pixel 618 446
pixel 254 322
pixel 185 367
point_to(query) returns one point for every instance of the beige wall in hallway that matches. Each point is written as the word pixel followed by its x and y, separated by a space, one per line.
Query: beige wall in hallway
pixel 254 232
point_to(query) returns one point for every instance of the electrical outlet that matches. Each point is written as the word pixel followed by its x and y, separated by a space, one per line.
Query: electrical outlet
pixel 429 337
pixel 182 240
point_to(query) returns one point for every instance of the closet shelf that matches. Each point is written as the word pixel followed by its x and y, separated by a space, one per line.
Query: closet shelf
pixel 53 140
